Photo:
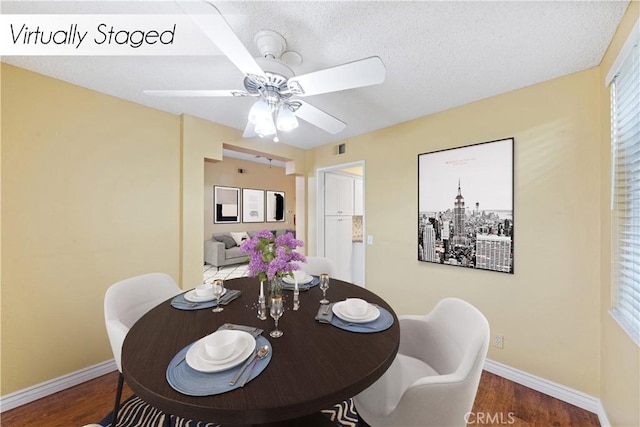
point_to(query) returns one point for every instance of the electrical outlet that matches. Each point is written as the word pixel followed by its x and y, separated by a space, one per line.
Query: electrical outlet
pixel 498 341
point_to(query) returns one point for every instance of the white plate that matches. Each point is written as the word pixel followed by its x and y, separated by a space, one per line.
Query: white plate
pixel 196 356
pixel 372 313
pixel 192 297
pixel 291 281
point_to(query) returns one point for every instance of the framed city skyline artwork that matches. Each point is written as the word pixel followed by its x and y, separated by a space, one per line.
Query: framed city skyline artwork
pixel 465 206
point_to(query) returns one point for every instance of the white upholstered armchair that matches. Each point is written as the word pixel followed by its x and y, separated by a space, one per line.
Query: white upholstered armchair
pixel 316 265
pixel 124 303
pixel 435 375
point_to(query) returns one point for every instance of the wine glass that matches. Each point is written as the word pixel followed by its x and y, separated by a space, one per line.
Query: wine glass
pixel 277 309
pixel 218 290
pixel 324 285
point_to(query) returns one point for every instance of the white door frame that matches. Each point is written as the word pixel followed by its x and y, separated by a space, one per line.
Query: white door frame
pixel 320 173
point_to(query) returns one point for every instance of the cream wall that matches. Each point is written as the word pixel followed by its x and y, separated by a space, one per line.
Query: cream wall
pixel 94 189
pixel 0 228
pixel 548 310
pixel 90 195
pixel 256 176
pixel 620 366
pixel 200 140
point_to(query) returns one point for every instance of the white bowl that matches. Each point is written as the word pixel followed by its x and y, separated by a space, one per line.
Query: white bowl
pixel 355 307
pixel 204 290
pixel 300 275
pixel 220 344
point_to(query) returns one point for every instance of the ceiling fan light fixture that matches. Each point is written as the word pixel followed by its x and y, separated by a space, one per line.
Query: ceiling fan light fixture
pixel 259 113
pixel 271 78
pixel 287 120
pixel 265 128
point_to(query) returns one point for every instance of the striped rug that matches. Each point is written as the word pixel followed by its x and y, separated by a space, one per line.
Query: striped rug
pixel 134 412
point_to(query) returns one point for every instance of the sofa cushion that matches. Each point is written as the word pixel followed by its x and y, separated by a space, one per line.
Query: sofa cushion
pixel 239 237
pixel 226 239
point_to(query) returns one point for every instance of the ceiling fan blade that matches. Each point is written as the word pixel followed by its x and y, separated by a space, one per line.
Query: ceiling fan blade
pixel 319 118
pixel 197 93
pixel 209 19
pixel 364 72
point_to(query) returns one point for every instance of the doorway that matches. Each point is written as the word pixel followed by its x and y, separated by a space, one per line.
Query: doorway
pixel 341 219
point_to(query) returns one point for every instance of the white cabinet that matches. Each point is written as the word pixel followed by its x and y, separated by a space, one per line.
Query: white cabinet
pixel 338 245
pixel 338 194
pixel 358 197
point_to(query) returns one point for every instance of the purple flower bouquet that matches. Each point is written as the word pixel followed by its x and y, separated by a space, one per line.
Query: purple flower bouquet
pixel 270 256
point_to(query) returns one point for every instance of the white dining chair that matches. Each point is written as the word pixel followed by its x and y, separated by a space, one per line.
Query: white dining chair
pixel 124 303
pixel 316 265
pixel 434 378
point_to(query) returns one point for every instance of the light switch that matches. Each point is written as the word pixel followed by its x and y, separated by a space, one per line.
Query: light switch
pixel 369 239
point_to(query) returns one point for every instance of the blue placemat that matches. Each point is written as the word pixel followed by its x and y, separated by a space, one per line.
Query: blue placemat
pixel 383 322
pixel 187 380
pixel 181 303
pixel 289 286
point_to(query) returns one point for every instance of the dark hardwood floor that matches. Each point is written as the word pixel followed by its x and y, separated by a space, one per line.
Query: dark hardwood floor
pixel 83 404
pixel 499 402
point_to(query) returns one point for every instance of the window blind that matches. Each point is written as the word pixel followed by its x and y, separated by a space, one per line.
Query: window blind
pixel 625 130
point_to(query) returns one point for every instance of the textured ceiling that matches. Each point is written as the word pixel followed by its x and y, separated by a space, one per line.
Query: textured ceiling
pixel 438 55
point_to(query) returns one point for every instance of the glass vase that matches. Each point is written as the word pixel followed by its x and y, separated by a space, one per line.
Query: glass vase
pixel 275 288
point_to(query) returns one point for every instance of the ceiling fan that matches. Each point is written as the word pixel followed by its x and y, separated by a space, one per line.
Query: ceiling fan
pixel 272 80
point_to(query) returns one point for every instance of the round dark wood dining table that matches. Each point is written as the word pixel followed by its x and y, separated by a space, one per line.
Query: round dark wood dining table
pixel 314 365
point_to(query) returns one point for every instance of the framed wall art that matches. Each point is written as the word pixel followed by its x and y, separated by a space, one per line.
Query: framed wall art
pixel 465 206
pixel 252 205
pixel 275 206
pixel 226 205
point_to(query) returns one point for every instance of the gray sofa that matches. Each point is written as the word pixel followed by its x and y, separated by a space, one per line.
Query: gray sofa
pixel 222 249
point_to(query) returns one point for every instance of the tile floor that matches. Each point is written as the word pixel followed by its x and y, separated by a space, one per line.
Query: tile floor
pixel 229 272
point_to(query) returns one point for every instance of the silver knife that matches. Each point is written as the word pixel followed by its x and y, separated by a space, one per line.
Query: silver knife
pixel 239 373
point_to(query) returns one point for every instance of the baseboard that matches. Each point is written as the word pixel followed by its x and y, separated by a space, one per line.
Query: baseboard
pixel 559 391
pixel 602 416
pixel 38 391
